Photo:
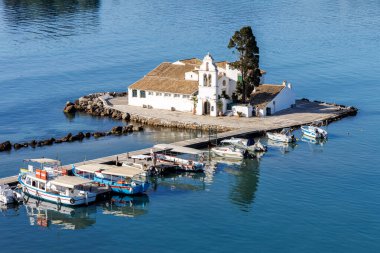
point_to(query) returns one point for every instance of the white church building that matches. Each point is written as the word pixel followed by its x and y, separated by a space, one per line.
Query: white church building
pixel 204 87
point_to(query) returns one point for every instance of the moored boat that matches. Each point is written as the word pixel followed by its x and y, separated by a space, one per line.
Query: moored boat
pixel 246 144
pixel 186 159
pixel 62 190
pixel 314 132
pixel 9 196
pixel 284 136
pixel 121 179
pixel 230 152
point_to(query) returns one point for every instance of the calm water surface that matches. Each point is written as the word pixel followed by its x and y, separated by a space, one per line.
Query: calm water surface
pixel 307 198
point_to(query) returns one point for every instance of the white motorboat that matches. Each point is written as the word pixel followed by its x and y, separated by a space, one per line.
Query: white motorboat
pixel 245 144
pixel 187 159
pixel 314 132
pixel 230 152
pixel 8 196
pixel 63 190
pixel 284 136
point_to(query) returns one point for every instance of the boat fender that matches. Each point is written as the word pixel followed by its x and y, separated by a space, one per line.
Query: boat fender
pixel 72 201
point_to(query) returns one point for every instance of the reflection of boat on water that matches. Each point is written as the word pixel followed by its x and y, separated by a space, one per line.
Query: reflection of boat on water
pixel 244 189
pixel 9 209
pixel 311 140
pixel 45 214
pixel 186 181
pixel 284 147
pixel 128 206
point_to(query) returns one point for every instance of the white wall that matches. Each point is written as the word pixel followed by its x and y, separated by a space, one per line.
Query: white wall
pixel 245 110
pixel 161 102
pixel 284 100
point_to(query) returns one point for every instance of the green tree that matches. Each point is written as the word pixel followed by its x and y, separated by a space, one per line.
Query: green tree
pixel 248 63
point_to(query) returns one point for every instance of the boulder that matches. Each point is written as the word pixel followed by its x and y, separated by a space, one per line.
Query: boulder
pixel 126 116
pixel 98 134
pixel 17 146
pixel 117 130
pixel 67 137
pixel 70 109
pixel 7 145
pixel 138 128
pixel 46 142
pixel 33 143
pixel 87 135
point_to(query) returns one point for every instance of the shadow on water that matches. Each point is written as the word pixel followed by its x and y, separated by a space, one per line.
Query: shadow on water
pixel 246 182
pixel 52 17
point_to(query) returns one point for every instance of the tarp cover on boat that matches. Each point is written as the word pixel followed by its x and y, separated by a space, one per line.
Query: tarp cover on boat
pixel 44 161
pixel 93 167
pixel 70 181
pixel 123 171
pixel 178 149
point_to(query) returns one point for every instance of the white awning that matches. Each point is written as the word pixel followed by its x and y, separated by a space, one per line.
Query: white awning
pixel 123 171
pixel 141 157
pixel 44 161
pixel 70 181
pixel 93 167
pixel 178 149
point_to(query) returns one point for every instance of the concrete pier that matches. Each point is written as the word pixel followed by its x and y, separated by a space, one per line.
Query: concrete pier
pixel 305 112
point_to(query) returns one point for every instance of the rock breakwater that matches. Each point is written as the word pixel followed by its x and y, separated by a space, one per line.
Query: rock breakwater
pixel 117 130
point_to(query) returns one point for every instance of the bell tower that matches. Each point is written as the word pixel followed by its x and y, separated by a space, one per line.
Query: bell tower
pixel 208 87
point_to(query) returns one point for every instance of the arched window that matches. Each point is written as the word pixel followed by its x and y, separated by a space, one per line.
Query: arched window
pixel 206 66
pixel 209 80
pixel 204 80
pixel 224 82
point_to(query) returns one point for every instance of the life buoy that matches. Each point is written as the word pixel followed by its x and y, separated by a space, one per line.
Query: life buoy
pixel 72 201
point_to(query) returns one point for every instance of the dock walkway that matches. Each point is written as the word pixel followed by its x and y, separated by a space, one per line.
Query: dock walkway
pixel 305 112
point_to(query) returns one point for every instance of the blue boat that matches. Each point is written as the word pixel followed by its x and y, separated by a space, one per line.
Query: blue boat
pixel 121 179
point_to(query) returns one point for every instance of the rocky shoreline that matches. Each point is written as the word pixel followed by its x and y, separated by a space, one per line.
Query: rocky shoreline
pixel 96 105
pixel 117 130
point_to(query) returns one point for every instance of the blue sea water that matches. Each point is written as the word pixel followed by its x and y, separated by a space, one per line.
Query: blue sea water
pixel 309 198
